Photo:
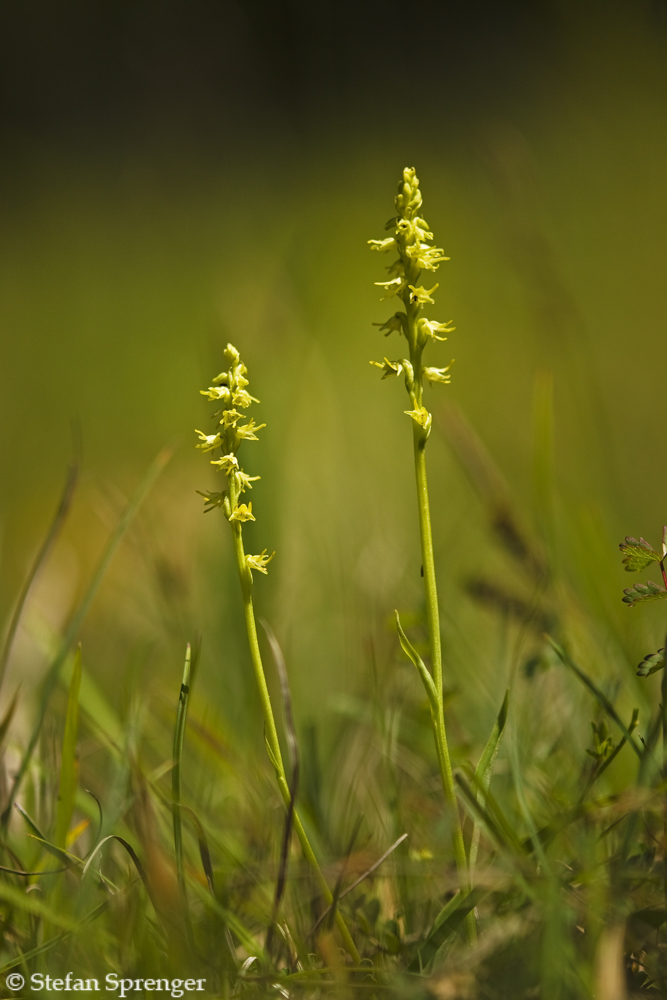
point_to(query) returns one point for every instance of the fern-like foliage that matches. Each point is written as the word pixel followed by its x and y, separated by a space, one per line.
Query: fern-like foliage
pixel 648 591
pixel 638 554
pixel 651 663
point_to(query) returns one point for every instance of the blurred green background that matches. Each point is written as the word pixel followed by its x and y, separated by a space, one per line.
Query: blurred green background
pixel 176 175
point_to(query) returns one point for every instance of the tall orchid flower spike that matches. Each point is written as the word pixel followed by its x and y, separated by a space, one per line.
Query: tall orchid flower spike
pixel 229 389
pixel 411 238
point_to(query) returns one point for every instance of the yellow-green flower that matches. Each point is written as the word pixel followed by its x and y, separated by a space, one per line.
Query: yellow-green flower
pixel 228 463
pixel 420 296
pixel 438 374
pixel 392 287
pixel 421 415
pixel 247 431
pixel 383 245
pixel 243 398
pixel 216 392
pixel 209 442
pixel 244 481
pixel 430 328
pixel 242 512
pixel 230 418
pixel 425 256
pixel 259 562
pixel 388 367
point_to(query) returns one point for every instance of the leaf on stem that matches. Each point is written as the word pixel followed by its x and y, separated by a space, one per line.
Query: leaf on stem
pixel 414 656
pixel 638 554
pixel 648 591
pixel 651 663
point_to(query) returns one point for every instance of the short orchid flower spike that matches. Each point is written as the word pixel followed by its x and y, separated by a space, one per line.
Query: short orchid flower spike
pixel 229 389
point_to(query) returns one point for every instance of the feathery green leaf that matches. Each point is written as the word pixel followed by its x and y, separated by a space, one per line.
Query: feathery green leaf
pixel 648 591
pixel 651 663
pixel 638 554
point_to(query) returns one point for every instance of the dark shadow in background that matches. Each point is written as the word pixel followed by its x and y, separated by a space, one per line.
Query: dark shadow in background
pixel 115 72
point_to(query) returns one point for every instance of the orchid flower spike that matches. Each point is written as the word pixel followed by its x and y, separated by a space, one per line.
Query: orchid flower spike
pixel 411 237
pixel 233 428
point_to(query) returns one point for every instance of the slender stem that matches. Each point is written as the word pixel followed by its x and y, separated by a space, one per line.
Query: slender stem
pixel 271 731
pixel 420 436
pixel 433 620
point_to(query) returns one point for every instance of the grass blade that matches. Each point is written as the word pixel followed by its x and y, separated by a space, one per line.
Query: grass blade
pixel 179 733
pixel 484 770
pixel 68 765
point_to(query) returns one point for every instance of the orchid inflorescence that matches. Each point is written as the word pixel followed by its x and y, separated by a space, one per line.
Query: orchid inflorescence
pixel 411 240
pixel 229 389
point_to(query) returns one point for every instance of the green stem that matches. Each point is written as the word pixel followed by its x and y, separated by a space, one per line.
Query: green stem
pixel 420 437
pixel 433 620
pixel 245 575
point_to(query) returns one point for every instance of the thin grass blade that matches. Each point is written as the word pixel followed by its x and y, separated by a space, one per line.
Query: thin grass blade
pixel 179 733
pixel 484 770
pixel 69 766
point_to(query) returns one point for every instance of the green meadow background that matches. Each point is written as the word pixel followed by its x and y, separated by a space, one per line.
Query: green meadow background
pixel 151 214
